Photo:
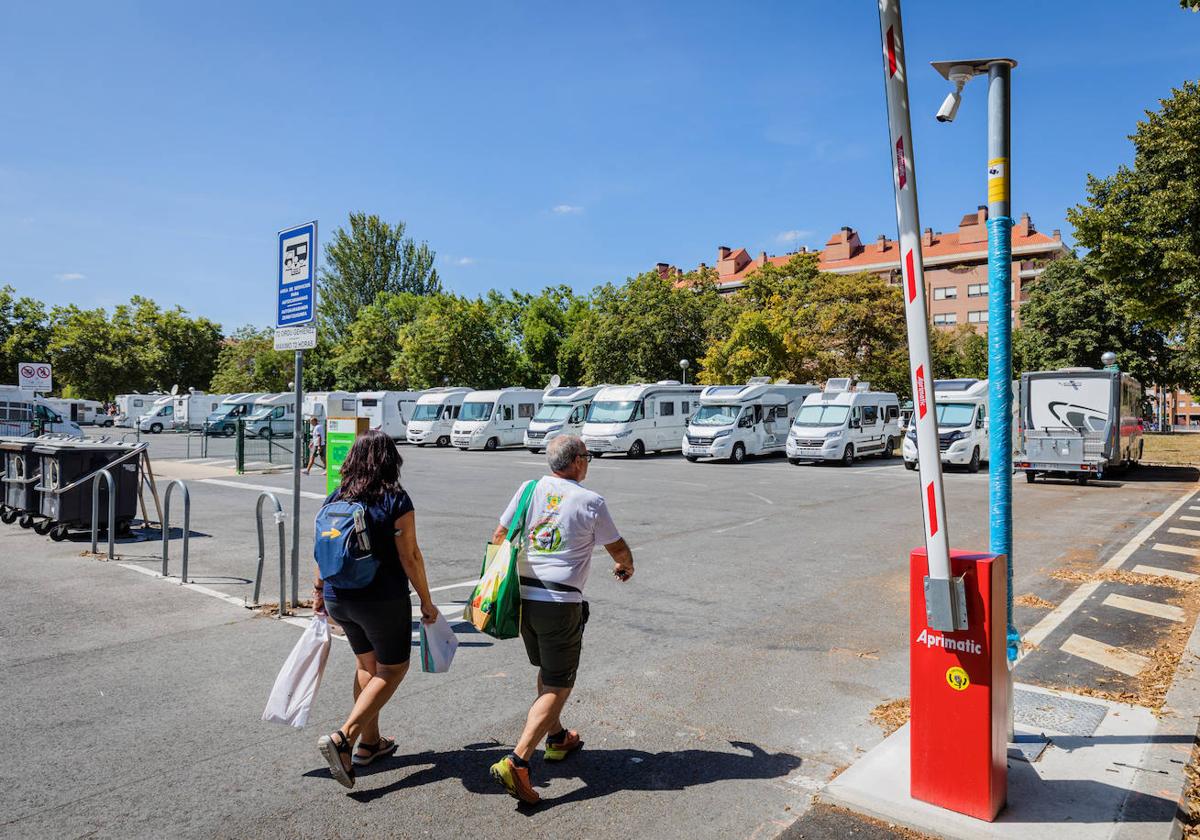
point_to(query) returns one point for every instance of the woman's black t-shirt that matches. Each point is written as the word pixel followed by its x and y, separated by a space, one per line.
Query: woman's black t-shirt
pixel 390 582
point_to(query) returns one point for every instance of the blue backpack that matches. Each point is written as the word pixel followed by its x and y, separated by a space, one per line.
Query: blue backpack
pixel 342 546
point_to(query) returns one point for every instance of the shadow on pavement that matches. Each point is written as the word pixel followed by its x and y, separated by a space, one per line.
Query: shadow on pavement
pixel 602 772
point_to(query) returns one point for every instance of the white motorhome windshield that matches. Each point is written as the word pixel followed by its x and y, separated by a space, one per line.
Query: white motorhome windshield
pixel 950 415
pixel 475 411
pixel 612 412
pixel 716 415
pixel 426 411
pixel 556 411
pixel 820 414
pixel 1080 403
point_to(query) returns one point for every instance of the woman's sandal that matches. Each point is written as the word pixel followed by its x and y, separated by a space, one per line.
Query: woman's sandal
pixel 382 747
pixel 333 753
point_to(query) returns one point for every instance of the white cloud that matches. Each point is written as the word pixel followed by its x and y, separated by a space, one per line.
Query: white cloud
pixel 70 276
pixel 567 209
pixel 789 237
pixel 465 261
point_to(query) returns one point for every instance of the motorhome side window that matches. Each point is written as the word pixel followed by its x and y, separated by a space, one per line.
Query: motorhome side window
pixel 870 415
pixel 685 406
pixel 137 403
pixel 348 405
pixel 506 412
pixel 526 410
pixel 666 409
pixel 578 414
pixel 893 411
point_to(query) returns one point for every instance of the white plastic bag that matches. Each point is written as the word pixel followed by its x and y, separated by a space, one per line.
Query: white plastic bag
pixel 438 644
pixel 296 686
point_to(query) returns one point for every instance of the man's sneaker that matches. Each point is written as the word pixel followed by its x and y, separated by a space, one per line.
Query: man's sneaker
pixel 558 750
pixel 515 780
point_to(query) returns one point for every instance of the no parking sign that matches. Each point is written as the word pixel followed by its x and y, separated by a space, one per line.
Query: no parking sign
pixel 36 376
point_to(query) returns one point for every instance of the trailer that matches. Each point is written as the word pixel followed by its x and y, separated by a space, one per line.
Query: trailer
pixel 1079 423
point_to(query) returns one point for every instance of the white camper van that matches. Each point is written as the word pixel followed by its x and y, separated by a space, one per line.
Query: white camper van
pixel 193 408
pixel 739 420
pixel 20 408
pixel 636 419
pixel 433 416
pixel 161 416
pixel 563 412
pixel 962 421
pixel 326 404
pixel 845 421
pixel 492 419
pixel 272 416
pixel 388 411
pixel 82 412
pixel 224 420
pixel 130 408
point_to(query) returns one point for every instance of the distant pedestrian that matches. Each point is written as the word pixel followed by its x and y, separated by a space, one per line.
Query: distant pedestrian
pixel 316 445
pixel 563 523
pixel 377 618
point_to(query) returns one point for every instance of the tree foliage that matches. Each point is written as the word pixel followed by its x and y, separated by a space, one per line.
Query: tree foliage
pixel 24 331
pixel 249 362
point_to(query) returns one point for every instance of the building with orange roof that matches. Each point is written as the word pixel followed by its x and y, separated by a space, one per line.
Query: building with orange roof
pixel 956 274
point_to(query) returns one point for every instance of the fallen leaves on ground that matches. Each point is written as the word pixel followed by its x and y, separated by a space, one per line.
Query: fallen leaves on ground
pixel 1031 600
pixel 891 715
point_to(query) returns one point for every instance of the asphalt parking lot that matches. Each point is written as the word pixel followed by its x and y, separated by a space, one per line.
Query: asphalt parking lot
pixel 728 680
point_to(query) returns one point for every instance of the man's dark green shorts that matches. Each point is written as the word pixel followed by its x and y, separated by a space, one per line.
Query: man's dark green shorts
pixel 553 634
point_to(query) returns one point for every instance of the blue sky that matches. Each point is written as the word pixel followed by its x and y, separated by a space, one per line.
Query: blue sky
pixel 155 148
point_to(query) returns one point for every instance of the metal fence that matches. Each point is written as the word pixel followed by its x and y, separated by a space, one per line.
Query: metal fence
pixel 232 440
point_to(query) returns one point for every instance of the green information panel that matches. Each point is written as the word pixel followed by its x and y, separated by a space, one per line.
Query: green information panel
pixel 339 437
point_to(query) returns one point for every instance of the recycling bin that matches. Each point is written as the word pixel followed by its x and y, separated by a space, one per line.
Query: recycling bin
pixel 20 479
pixel 65 462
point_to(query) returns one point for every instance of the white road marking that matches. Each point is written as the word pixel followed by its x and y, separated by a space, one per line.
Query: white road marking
pixel 285 491
pixel 760 498
pixel 1176 549
pixel 1193 507
pixel 1058 615
pixel 1115 658
pixel 1186 532
pixel 452 586
pixel 740 525
pixel 1118 559
pixel 1186 518
pixel 1186 577
pixel 1139 605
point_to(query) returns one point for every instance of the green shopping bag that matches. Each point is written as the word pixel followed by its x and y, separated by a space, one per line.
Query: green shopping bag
pixel 495 605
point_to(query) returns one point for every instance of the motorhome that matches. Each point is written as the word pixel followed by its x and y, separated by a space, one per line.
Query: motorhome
pixel 636 419
pixel 325 404
pixel 272 416
pixel 493 419
pixel 564 411
pixel 846 420
pixel 962 422
pixel 433 416
pixel 83 412
pixel 130 407
pixel 161 416
pixel 233 408
pixel 388 411
pixel 23 412
pixel 193 408
pixel 739 420
pixel 1079 422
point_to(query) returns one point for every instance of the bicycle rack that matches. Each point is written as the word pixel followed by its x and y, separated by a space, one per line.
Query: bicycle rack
pixel 112 510
pixel 166 526
pixel 262 552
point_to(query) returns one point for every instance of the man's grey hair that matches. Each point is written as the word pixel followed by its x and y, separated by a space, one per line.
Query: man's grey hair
pixel 562 451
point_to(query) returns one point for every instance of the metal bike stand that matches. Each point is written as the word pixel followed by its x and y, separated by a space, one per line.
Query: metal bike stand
pixel 166 526
pixel 262 552
pixel 112 510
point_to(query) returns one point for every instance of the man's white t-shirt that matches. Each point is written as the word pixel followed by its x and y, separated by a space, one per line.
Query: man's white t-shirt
pixel 564 523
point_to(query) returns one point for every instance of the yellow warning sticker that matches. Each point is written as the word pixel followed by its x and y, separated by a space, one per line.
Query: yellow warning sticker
pixel 998 179
pixel 957 678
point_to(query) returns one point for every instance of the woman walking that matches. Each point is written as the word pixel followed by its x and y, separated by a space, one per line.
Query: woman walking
pixel 377 618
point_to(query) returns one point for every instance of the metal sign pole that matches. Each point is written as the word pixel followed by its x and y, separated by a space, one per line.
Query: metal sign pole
pixel 941 599
pixel 297 466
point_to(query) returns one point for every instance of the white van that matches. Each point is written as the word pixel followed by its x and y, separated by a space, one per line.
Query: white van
pixel 636 419
pixel 492 419
pixel 388 411
pixel 433 416
pixel 739 420
pixel 20 408
pixel 563 412
pixel 81 412
pixel 130 407
pixel 193 408
pixel 845 421
pixel 272 416
pixel 224 420
pixel 160 417
pixel 326 404
pixel 962 420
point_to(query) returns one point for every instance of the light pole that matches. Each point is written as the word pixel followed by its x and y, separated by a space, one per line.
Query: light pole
pixel 998 72
pixel 683 366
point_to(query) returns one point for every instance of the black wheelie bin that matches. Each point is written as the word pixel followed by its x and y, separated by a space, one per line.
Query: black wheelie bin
pixel 20 477
pixel 65 462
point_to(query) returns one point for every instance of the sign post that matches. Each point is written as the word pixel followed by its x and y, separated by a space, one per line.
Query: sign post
pixel 35 376
pixel 296 312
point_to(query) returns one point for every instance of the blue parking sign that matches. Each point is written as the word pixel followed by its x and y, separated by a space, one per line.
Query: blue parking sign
pixel 297 275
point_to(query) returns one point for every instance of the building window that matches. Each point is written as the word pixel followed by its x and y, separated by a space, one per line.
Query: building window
pixel 977 290
pixel 944 292
pixel 943 318
pixel 979 316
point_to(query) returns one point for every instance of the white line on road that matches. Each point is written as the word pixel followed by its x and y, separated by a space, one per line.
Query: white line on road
pixel 1116 658
pixel 740 525
pixel 1176 549
pixel 1193 507
pixel 1190 518
pixel 287 491
pixel 1058 615
pixel 452 586
pixel 1139 605
pixel 1116 561
pixel 1186 532
pixel 760 498
pixel 1186 577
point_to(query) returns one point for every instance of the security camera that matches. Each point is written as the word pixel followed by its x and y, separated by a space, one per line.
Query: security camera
pixel 950 105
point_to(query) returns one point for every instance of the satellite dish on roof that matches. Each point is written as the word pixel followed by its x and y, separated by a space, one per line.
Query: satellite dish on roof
pixel 555 381
pixel 175 389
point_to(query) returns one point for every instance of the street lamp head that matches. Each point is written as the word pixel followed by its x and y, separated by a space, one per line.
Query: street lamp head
pixel 683 363
pixel 1108 358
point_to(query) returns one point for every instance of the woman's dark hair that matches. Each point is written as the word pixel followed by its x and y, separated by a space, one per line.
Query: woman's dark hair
pixel 371 468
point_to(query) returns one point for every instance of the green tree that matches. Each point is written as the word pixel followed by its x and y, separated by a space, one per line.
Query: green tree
pixel 248 361
pixel 372 343
pixel 546 322
pixel 454 341
pixel 960 353
pixel 371 258
pixel 24 332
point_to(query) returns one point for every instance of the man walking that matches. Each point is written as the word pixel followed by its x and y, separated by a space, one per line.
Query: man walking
pixel 316 445
pixel 563 524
